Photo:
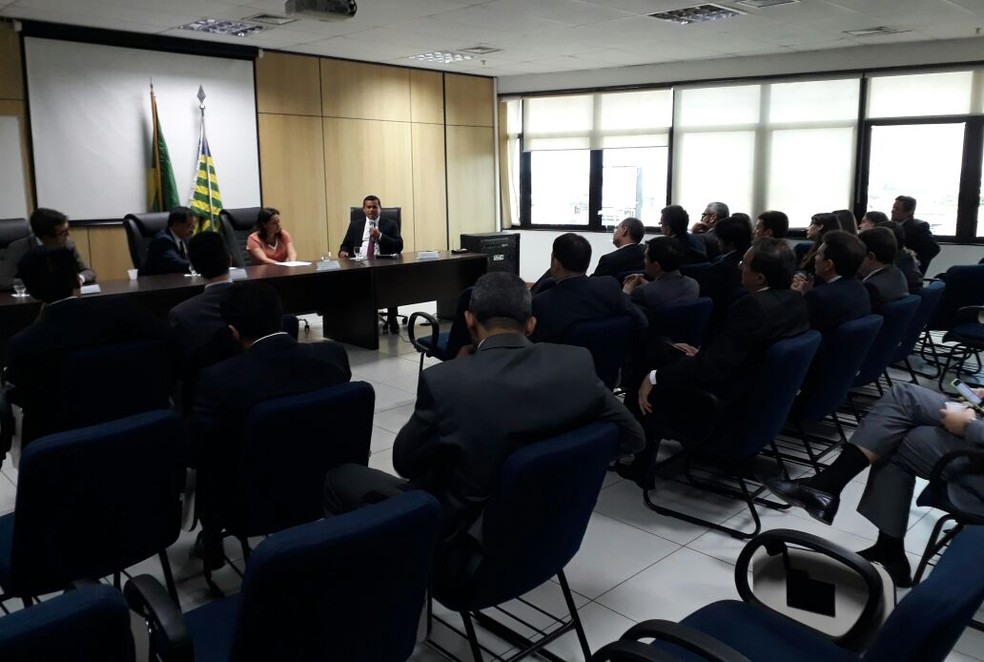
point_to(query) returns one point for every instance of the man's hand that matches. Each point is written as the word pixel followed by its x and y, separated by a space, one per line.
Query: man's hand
pixel 698 228
pixel 801 283
pixel 955 420
pixel 632 282
pixel 374 232
pixel 689 350
pixel 644 390
pixel 343 254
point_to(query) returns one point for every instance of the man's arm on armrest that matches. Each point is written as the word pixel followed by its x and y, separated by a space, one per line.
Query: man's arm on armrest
pixel 631 438
pixel 416 443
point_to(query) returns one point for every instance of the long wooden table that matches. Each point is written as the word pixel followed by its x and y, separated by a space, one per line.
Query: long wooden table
pixel 348 297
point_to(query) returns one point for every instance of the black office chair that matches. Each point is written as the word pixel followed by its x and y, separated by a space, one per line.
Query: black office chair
pixel 237 225
pixel 12 229
pixel 394 214
pixel 140 231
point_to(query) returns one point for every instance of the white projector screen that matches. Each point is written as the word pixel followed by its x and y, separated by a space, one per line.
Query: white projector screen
pixel 91 125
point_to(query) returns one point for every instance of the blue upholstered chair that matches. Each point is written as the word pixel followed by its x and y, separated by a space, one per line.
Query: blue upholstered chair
pixel 87 623
pixel 531 527
pixel 924 625
pixel 608 340
pixel 681 321
pixel 349 587
pixel 897 316
pixel 929 300
pixel 92 502
pixel 272 487
pixel 729 436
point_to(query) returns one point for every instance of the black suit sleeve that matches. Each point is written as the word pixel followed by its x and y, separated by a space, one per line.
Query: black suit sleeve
pixel 606 266
pixel 348 242
pixel 920 239
pixel 390 240
pixel 416 445
pixel 8 267
pixel 163 258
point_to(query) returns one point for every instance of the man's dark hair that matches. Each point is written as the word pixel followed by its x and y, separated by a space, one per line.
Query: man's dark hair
pixel 719 209
pixel 178 215
pixel 49 273
pixel 373 199
pixel 774 259
pixel 908 203
pixel 676 219
pixel 880 242
pixel 845 250
pixel 877 217
pixel 253 308
pixel 44 221
pixel 209 254
pixel 847 220
pixel 573 252
pixel 776 221
pixel 635 227
pixel 734 232
pixel 665 251
pixel 501 299
pixel 897 230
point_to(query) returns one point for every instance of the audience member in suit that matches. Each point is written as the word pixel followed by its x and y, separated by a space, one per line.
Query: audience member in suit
pixel 370 236
pixel 771 224
pixel 820 225
pixel 575 297
pixel 905 258
pixel 918 235
pixel 168 252
pixel 903 436
pixel 627 258
pixel 847 220
pixel 66 323
pixel 48 228
pixel 668 284
pixel 271 365
pixel 885 282
pixel 722 281
pixel 705 227
pixel 270 243
pixel 839 296
pixel 872 219
pixel 473 412
pixel 673 222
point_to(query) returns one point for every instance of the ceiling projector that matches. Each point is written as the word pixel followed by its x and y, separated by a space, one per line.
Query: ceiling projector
pixel 323 10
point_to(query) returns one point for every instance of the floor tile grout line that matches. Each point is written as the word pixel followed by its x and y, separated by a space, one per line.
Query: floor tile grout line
pixel 659 560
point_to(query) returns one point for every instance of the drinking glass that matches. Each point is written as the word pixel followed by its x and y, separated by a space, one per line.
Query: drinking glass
pixel 19 289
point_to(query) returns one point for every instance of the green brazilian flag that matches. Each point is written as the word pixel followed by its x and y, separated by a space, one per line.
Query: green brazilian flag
pixel 161 190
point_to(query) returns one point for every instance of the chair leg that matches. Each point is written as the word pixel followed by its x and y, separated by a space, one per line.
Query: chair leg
pixel 575 618
pixel 934 545
pixel 472 636
pixel 172 590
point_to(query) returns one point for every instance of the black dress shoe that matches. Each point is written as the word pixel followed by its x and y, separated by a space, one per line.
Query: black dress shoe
pixel 818 504
pixel 896 565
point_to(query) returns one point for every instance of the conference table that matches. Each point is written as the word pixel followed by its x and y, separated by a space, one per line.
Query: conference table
pixel 348 298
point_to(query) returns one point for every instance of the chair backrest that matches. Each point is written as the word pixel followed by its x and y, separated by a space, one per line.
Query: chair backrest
pixel 607 338
pixel 929 299
pixel 801 249
pixel 537 515
pixel 280 486
pixel 237 225
pixel 96 500
pixel 681 321
pixel 928 621
pixel 111 392
pixel 349 587
pixel 696 270
pixel 88 623
pixel 12 229
pixel 964 287
pixel 140 231
pixel 392 213
pixel 898 314
pixel 834 368
pixel 769 396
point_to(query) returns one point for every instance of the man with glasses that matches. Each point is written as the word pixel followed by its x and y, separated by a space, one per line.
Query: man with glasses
pixel 48 228
pixel 714 212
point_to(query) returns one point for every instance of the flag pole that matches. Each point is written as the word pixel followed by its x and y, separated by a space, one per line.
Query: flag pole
pixel 201 143
pixel 158 182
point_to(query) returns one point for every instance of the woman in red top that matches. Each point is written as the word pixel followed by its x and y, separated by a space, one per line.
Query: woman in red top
pixel 270 243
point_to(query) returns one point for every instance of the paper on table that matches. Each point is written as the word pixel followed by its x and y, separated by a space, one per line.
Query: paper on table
pixel 428 255
pixel 294 263
pixel 237 273
pixel 90 289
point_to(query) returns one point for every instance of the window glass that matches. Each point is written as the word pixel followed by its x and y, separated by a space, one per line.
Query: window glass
pixel 625 111
pixel 714 166
pixel 807 174
pixel 814 101
pixel 559 182
pixel 559 115
pixel 634 184
pixel 718 106
pixel 918 95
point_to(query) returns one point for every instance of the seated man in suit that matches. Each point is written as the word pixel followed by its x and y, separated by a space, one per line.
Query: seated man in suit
pixel 371 236
pixel 272 364
pixel 473 412
pixel 627 258
pixel 667 284
pixel 905 258
pixel 841 297
pixel 168 252
pixel 195 321
pixel 903 436
pixel 706 228
pixel 48 228
pixel 576 297
pixel 721 282
pixel 66 323
pixel 773 224
pixel 918 235
pixel 673 222
pixel 885 282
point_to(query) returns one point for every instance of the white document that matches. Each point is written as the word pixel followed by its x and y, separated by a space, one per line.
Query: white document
pixel 294 263
pixel 428 255
pixel 90 289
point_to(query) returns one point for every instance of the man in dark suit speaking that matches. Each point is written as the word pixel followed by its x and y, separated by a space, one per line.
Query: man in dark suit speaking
pixel 168 251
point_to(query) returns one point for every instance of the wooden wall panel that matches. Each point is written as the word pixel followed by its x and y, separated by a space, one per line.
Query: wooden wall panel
pixel 365 157
pixel 80 237
pixel 470 100
pixel 429 191
pixel 108 252
pixel 365 91
pixel 471 181
pixel 426 96
pixel 292 167
pixel 11 78
pixel 288 84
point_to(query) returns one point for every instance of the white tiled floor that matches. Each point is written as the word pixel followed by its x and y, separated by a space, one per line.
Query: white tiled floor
pixel 633 564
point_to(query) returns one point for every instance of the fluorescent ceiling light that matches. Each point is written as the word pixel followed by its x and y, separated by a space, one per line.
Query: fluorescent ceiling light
pixel 442 57
pixel 219 26
pixel 697 14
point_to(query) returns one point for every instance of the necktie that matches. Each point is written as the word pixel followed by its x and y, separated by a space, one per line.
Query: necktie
pixel 181 250
pixel 371 250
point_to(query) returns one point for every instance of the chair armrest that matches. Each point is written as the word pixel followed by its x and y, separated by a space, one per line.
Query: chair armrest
pixel 777 542
pixel 975 455
pixel 683 636
pixel 630 651
pixel 435 332
pixel 169 637
pixel 969 314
